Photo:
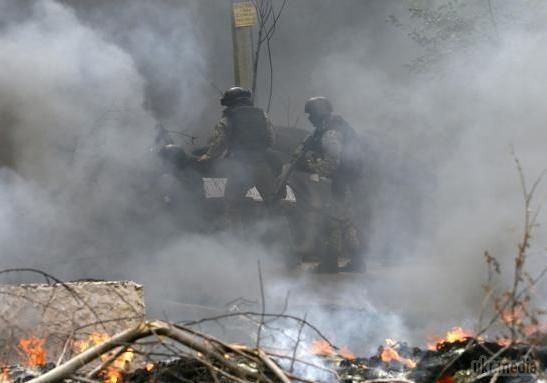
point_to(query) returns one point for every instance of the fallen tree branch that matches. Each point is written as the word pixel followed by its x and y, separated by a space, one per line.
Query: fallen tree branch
pixel 303 362
pixel 70 367
pixel 95 372
pixel 273 367
pixel 210 350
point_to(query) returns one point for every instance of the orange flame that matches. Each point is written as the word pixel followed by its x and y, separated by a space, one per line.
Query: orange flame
pixel 533 328
pixel 121 365
pixel 504 342
pixel 34 349
pixel 446 379
pixel 456 334
pixel 389 354
pixel 93 339
pixel 114 372
pixel 515 316
pixel 346 353
pixel 321 347
pixel 529 331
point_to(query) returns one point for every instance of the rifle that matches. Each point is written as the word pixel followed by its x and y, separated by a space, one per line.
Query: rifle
pixel 288 168
pixel 163 136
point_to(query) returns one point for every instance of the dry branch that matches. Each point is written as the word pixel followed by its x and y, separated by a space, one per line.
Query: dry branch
pixel 273 367
pixel 210 350
pixel 95 372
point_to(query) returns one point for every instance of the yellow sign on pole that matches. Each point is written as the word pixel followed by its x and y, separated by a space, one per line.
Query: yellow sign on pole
pixel 244 14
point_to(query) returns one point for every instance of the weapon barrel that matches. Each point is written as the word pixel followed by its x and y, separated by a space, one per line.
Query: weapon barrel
pixel 288 168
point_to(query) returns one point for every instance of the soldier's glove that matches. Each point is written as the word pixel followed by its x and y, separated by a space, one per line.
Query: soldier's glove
pixel 203 158
pixel 314 177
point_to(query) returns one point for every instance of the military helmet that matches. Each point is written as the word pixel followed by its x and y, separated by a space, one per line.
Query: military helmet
pixel 234 95
pixel 318 106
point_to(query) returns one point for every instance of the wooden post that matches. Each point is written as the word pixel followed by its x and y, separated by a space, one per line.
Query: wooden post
pixel 243 20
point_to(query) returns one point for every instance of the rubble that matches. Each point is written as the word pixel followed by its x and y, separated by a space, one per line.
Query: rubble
pixel 58 311
pixel 93 332
pixel 172 352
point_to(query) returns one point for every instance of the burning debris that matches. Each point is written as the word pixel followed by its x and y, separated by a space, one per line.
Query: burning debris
pixel 456 334
pixel 42 324
pixel 97 346
pixel 34 350
pixel 77 128
pixel 170 352
pixel 323 348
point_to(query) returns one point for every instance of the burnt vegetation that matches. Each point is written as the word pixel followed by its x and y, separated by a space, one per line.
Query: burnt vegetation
pixel 59 335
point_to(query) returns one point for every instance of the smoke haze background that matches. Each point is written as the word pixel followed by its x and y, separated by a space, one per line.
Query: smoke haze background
pixel 83 84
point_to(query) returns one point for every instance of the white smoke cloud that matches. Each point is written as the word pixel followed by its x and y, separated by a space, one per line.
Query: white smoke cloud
pixel 449 188
pixel 65 85
pixel 78 108
pixel 78 133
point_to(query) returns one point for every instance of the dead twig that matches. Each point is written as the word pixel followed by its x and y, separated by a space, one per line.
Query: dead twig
pixel 95 372
pixel 517 297
pixel 263 305
pixel 253 313
pixel 68 341
pixel 273 367
pixel 220 371
pixel 205 348
pixel 306 363
pixel 297 343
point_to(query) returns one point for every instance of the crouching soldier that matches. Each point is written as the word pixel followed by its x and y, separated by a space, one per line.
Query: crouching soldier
pixel 335 154
pixel 243 137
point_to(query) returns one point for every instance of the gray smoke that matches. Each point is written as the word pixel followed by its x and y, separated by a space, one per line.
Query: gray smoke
pixel 76 131
pixel 83 84
pixel 448 188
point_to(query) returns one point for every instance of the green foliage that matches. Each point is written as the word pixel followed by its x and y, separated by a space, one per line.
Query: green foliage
pixel 454 27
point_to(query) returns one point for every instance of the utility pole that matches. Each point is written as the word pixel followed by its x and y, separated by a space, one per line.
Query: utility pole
pixel 243 20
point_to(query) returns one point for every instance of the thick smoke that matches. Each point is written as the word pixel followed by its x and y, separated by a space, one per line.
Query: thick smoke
pixel 77 133
pixel 449 188
pixel 82 200
pixel 83 84
pixel 445 187
pixel 163 42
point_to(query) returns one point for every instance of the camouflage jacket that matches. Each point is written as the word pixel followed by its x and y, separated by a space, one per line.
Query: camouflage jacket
pixel 325 155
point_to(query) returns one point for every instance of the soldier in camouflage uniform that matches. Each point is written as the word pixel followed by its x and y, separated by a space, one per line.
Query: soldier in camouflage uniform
pixel 243 136
pixel 334 154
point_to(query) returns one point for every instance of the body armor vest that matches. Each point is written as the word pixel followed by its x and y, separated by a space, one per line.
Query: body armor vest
pixel 351 161
pixel 248 129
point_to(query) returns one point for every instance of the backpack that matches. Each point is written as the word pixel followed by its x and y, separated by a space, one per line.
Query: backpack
pixel 248 129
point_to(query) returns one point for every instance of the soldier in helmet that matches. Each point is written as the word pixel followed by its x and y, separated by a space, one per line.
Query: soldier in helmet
pixel 243 135
pixel 336 155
